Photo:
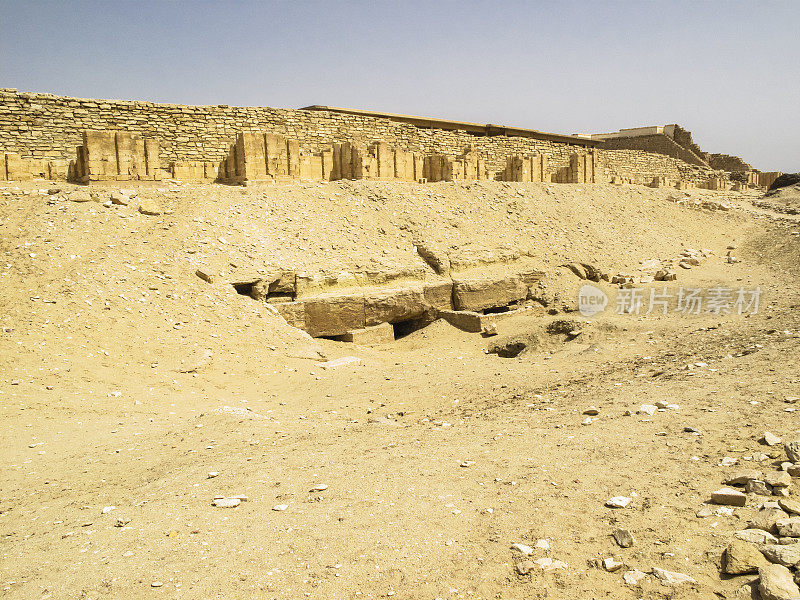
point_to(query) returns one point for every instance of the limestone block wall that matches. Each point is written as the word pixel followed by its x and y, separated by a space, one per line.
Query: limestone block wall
pixel 45 126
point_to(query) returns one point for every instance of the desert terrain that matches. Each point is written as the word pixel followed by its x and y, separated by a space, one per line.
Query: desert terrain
pixel 134 393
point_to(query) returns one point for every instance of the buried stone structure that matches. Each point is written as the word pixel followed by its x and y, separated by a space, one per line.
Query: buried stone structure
pixel 116 156
pixel 348 306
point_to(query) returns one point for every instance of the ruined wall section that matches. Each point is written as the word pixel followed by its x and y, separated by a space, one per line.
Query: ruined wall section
pixel 658 143
pixel 48 126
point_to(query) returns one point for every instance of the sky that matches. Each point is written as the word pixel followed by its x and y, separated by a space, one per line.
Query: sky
pixel 727 71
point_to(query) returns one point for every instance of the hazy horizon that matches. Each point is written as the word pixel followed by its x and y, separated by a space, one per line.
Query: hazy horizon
pixel 727 71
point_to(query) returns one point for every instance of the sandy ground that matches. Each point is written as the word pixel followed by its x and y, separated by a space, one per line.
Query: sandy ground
pixel 437 456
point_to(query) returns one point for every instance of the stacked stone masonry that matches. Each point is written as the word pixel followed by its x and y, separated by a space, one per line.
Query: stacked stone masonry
pixel 195 140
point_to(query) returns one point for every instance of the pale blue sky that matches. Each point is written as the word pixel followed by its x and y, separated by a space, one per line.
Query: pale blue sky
pixel 727 71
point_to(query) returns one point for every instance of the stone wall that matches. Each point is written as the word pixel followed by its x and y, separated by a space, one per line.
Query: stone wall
pixel 44 126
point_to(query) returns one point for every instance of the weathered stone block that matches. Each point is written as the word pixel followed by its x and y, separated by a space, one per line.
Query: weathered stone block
pixel 487 291
pixel 293 312
pixel 391 305
pixel 379 334
pixel 439 296
pixel 334 314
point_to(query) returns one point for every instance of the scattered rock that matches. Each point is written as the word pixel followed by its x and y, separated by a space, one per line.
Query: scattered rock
pixel 633 577
pixel 776 583
pixel 345 361
pixel 647 409
pixel 226 502
pixel 742 476
pixel 672 577
pixel 778 479
pixel 742 557
pixel 789 505
pixel 793 450
pixel 755 536
pixel 786 555
pixel 522 548
pixel 729 496
pixel 770 439
pixel 591 411
pixel 611 565
pixel 618 502
pixel 119 199
pixel 320 487
pixel 525 567
pixel 548 564
pixel 212 474
pixel 149 207
pixel 788 527
pixel 156 584
pixel 205 275
pixel 766 518
pixel 755 486
pixel 624 538
pixel 280 507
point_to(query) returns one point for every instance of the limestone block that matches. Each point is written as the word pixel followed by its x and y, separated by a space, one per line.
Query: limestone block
pixel 419 167
pixel 277 153
pixel 293 160
pixel 250 154
pixel 151 159
pixel 439 296
pixel 327 165
pixel 3 175
pixel 294 313
pixel 469 321
pixel 15 168
pixel 385 158
pixel 379 334
pixel 125 152
pixel 334 314
pixel 101 154
pixel 57 169
pixel 391 305
pixel 487 291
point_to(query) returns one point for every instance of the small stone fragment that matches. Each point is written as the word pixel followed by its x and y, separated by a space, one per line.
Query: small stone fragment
pixel 522 548
pixel 548 564
pixel 742 557
pixel 633 577
pixel 755 486
pixel 776 583
pixel 755 536
pixel 525 567
pixel 205 275
pixel 212 474
pixel 611 565
pixel 729 496
pixel 624 538
pixel 156 584
pixel 149 207
pixel 789 505
pixel 786 555
pixel 778 479
pixel 793 450
pixel 280 507
pixel 320 487
pixel 591 411
pixel 618 502
pixel 647 409
pixel 742 476
pixel 770 439
pixel 226 502
pixel 672 577
pixel 766 518
pixel 788 527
